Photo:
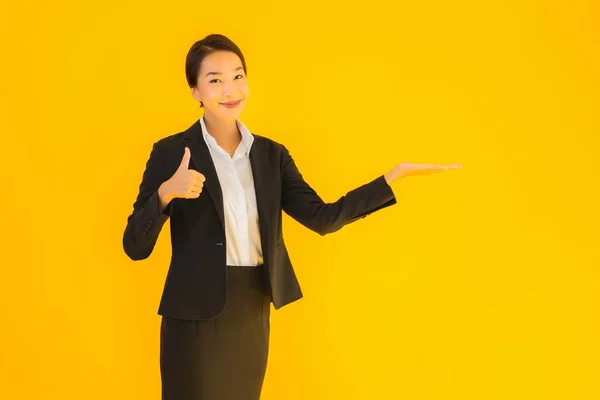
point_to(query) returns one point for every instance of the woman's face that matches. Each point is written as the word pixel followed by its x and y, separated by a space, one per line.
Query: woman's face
pixel 221 79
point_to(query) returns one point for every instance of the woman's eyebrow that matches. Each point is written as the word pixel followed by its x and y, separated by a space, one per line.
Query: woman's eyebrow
pixel 220 73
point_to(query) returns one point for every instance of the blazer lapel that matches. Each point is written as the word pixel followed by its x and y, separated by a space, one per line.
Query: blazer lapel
pixel 203 163
pixel 261 172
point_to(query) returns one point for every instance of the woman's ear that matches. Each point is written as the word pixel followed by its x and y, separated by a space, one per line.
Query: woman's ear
pixel 196 94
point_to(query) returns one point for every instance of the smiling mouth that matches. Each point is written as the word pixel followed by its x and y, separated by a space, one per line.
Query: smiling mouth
pixel 232 103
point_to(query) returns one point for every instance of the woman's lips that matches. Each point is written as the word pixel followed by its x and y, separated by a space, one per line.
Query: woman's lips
pixel 232 104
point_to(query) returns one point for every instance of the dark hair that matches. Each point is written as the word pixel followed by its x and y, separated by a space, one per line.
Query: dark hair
pixel 202 48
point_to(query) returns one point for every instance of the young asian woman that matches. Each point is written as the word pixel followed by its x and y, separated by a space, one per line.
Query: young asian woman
pixel 224 190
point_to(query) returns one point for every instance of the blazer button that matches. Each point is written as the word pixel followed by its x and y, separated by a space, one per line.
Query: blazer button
pixel 219 244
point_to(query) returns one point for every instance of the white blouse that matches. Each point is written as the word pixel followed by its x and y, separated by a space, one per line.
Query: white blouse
pixel 239 198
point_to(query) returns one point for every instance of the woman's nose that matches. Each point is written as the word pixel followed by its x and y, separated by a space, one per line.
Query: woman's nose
pixel 229 89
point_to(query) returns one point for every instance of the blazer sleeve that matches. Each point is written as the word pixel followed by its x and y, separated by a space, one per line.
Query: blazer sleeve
pixel 301 202
pixel 146 221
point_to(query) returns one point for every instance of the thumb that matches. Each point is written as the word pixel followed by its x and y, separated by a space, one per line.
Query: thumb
pixel 185 161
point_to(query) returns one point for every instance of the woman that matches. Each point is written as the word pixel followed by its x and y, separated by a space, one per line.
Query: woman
pixel 224 190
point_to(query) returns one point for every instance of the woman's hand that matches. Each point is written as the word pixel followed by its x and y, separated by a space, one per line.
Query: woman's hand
pixel 185 183
pixel 408 169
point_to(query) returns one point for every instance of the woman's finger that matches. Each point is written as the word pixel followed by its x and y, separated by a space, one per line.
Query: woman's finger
pixel 193 193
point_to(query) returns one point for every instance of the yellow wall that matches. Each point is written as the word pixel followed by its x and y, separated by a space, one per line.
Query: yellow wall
pixel 480 283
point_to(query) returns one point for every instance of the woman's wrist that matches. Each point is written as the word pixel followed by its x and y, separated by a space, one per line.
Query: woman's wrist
pixel 392 175
pixel 163 197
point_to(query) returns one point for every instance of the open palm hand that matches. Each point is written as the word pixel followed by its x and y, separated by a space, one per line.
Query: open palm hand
pixel 405 169
pixel 410 169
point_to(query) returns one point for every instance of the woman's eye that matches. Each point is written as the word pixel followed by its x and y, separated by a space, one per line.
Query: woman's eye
pixel 214 80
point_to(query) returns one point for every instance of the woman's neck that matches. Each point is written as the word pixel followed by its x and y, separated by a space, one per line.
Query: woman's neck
pixel 225 132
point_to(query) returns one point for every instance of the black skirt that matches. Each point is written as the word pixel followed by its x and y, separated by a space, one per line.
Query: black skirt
pixel 224 358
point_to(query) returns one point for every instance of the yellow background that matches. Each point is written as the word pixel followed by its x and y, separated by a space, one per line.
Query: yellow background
pixel 480 283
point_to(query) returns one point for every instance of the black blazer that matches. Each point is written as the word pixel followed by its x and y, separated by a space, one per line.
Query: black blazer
pixel 196 282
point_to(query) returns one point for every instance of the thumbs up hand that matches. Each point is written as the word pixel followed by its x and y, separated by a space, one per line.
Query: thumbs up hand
pixel 185 183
